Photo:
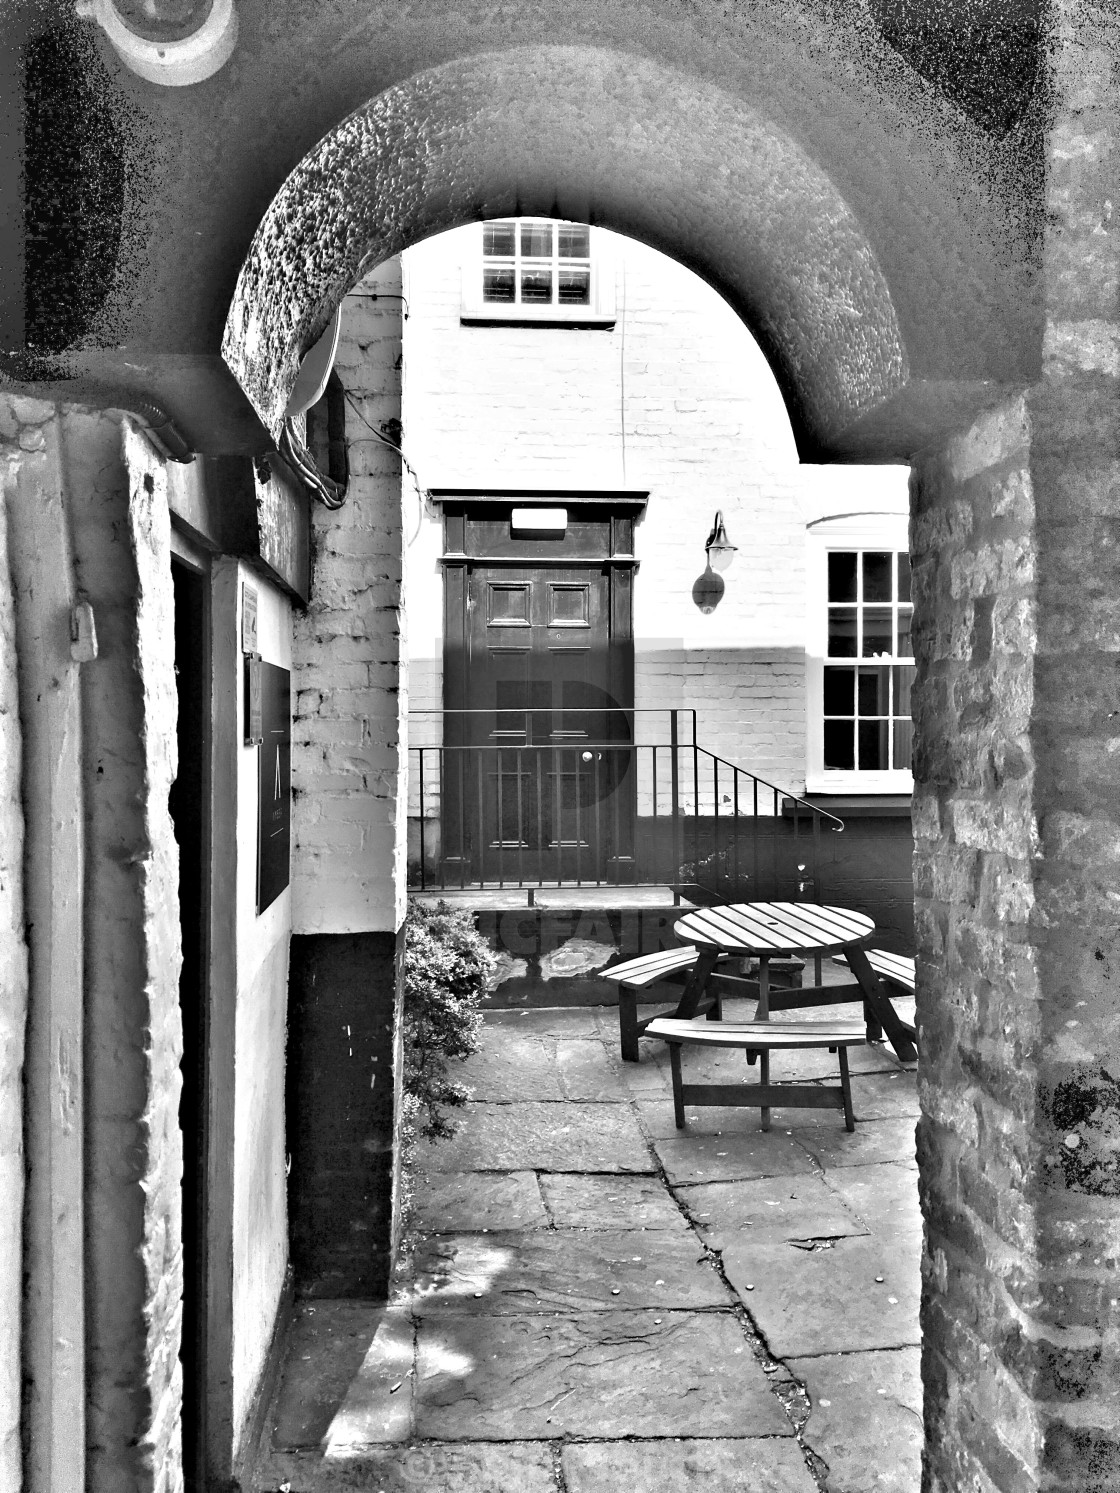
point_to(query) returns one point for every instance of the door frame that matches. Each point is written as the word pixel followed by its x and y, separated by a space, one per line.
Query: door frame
pixel 619 508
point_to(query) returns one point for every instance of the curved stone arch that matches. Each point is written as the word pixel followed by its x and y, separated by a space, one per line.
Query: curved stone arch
pixel 594 135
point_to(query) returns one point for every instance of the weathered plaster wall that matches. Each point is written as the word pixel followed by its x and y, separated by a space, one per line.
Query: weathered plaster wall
pixel 348 653
pixel 13 996
pixel 121 536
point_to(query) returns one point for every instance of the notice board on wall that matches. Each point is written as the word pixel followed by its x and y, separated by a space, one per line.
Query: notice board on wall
pixel 274 793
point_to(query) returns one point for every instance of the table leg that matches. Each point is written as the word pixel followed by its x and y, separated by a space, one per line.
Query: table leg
pixel 678 1096
pixel 879 1003
pixel 762 1010
pixel 764 1078
pixel 697 984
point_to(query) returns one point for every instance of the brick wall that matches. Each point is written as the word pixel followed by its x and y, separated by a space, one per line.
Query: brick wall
pixel 347 819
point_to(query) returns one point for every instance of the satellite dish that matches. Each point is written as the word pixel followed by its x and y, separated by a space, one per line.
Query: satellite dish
pixel 314 371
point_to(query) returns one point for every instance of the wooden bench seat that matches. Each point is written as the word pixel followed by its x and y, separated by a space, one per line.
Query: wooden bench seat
pixel 895 970
pixel 639 974
pixel 758 1038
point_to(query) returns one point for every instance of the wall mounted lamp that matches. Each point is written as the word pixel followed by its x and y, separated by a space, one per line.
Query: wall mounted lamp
pixel 719 549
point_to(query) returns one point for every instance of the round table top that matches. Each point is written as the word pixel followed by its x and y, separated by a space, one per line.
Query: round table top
pixel 764 928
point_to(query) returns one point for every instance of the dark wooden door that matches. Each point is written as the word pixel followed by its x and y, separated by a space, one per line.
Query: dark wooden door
pixel 547 787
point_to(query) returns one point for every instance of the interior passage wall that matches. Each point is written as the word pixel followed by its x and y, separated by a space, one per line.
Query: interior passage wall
pixel 674 398
pixel 249 1000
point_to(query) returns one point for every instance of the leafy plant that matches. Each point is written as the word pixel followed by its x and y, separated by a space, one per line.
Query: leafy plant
pixel 446 967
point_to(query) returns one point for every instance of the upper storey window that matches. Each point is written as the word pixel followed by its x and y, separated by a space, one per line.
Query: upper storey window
pixel 538 270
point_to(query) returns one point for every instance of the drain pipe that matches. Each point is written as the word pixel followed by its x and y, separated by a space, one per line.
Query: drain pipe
pixel 172 42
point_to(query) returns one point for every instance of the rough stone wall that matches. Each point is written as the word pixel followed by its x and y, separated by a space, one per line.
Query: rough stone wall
pixel 13 1003
pixel 121 532
pixel 1068 1349
pixel 1017 826
pixel 978 999
pixel 348 816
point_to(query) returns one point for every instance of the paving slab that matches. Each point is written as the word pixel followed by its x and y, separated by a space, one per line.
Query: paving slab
pixel 466 1467
pixel 872 1141
pixel 570 1271
pixel 563 1137
pixel 548 1021
pixel 343 1359
pixel 885 1196
pixel 882 1096
pixel 604 1374
pixel 696 1156
pixel 773 1209
pixel 512 1065
pixel 717 1466
pixel 866 1419
pixel 457 1202
pixel 626 1202
pixel 658 1118
pixel 589 1074
pixel 828 1300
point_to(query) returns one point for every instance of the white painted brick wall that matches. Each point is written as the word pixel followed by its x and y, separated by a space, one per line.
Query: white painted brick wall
pixel 350 686
pixel 676 399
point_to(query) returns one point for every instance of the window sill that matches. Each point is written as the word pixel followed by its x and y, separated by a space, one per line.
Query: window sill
pixel 885 805
pixel 546 316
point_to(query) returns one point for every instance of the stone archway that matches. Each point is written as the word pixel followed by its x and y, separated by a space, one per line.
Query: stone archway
pixel 1012 847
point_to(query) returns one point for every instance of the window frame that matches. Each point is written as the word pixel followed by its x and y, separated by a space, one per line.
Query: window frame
pixel 598 312
pixel 849 533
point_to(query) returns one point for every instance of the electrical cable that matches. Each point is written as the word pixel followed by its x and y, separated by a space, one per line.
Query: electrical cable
pixel 323 489
pixel 380 435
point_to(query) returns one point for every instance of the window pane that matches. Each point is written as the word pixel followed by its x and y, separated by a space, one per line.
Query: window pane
pixel 842 622
pixel 874 738
pixel 877 577
pixel 878 632
pixel 904 577
pixel 536 286
pixel 903 679
pixel 536 240
pixel 903 746
pixel 838 745
pixel 905 648
pixel 841 577
pixel 497 240
pixel 575 288
pixel 498 285
pixel 575 241
pixel 873 686
pixel 839 692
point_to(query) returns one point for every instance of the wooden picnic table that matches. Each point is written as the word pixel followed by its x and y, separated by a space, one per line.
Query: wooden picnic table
pixel 771 930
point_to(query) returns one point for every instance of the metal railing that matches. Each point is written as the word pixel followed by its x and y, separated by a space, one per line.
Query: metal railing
pixel 601 798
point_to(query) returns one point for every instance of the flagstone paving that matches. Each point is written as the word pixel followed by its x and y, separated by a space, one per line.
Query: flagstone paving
pixel 591 1300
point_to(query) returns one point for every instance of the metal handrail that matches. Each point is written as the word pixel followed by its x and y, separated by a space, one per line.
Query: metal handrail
pixel 495 829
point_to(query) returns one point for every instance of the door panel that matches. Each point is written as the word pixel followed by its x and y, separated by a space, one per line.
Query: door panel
pixel 546 783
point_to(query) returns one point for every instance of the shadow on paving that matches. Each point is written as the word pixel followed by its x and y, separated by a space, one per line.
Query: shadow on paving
pixel 592 1300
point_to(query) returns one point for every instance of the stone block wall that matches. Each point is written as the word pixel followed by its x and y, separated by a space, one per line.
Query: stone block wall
pixel 1017 823
pixel 972 548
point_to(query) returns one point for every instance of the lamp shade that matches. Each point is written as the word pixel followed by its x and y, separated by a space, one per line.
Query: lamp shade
pixel 720 550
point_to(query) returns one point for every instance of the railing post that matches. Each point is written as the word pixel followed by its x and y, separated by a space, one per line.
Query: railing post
pixel 675 806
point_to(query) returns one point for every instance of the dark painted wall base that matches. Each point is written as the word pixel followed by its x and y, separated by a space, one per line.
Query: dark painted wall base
pixel 344 1016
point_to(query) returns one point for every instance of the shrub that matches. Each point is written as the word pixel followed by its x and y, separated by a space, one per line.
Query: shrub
pixel 446 967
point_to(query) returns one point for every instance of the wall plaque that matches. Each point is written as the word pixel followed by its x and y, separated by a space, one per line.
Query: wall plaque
pixel 274 798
